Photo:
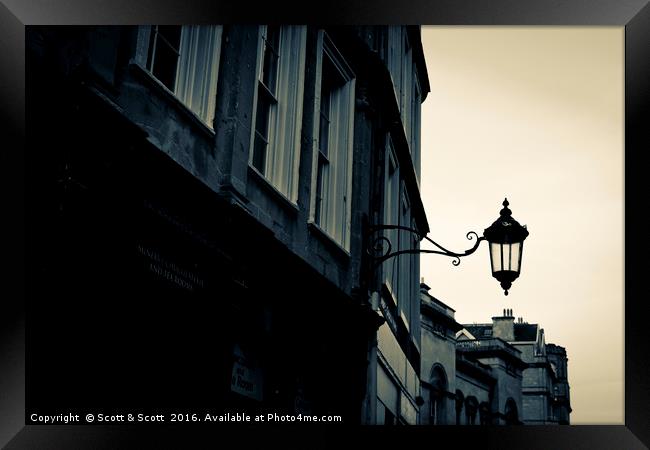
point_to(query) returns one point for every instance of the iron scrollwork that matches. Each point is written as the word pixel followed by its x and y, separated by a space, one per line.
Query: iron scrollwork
pixel 380 247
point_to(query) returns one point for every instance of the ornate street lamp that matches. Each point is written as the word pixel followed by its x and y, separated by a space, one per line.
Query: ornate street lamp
pixel 505 237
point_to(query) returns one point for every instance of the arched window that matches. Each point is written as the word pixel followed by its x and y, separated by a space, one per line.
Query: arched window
pixel 471 406
pixel 460 399
pixel 438 393
pixel 511 413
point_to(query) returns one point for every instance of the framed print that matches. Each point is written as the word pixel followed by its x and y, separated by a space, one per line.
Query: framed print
pixel 217 216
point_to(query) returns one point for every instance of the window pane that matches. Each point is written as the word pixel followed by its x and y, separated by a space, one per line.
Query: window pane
pixel 171 34
pixel 321 189
pixel 259 153
pixel 323 140
pixel 165 55
pixel 271 56
pixel 189 76
pixel 504 257
pixel 495 253
pixel 324 124
pixel 514 260
pixel 196 83
pixel 262 114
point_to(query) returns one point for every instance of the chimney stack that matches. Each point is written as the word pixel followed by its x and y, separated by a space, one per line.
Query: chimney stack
pixel 504 327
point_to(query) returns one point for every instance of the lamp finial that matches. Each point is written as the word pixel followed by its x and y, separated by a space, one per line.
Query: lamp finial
pixel 505 211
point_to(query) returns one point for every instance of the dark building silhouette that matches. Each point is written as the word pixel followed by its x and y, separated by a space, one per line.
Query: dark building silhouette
pixel 198 202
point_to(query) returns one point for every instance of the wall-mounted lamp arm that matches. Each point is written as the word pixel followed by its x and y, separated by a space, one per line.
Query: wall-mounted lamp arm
pixel 379 254
pixel 506 237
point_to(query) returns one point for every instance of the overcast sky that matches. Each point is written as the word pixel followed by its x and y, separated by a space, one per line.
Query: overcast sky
pixel 534 114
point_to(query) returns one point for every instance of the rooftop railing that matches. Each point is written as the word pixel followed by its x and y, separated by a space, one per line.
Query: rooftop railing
pixel 487 345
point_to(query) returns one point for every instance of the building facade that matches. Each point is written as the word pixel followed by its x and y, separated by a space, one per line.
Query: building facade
pixel 561 399
pixel 200 198
pixel 438 367
pixel 394 381
pixel 544 385
pixel 501 373
pixel 491 345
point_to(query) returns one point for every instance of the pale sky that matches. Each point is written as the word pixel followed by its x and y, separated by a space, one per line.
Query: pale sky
pixel 534 114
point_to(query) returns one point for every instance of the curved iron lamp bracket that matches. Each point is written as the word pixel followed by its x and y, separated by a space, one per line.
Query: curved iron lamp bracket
pixel 379 254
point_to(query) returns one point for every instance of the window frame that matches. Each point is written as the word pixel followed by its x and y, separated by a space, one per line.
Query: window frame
pixel 392 216
pixel 282 163
pixel 406 84
pixel 270 95
pixel 340 123
pixel 416 119
pixel 144 47
pixel 405 261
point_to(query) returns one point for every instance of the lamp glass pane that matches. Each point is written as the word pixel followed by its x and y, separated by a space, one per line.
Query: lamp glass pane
pixel 505 248
pixel 515 256
pixel 495 252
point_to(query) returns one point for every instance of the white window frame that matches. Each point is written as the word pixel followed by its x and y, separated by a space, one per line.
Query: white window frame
pixel 394 55
pixel 416 119
pixel 282 157
pixel 406 85
pixel 331 202
pixel 192 87
pixel 405 262
pixel 401 273
pixel 391 216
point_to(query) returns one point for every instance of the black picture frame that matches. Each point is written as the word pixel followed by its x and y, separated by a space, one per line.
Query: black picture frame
pixel 634 15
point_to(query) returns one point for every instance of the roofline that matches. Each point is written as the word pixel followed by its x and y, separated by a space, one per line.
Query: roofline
pixel 420 61
pixel 441 303
pixel 441 316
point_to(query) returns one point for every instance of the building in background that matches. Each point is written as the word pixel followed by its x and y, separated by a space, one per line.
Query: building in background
pixel 491 345
pixel 438 369
pixel 199 201
pixel 503 372
pixel 561 401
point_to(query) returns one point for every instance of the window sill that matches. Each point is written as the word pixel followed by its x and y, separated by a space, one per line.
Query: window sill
pixel 152 81
pixel 324 236
pixel 267 185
